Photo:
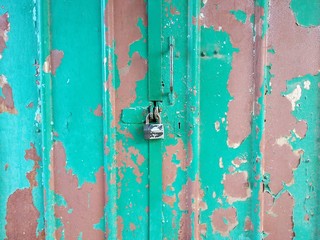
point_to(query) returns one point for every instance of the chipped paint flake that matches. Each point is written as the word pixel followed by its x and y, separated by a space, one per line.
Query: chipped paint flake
pixel 306 84
pixel 282 141
pixel 6 101
pixel 217 126
pixel 169 200
pixel 174 152
pixel 238 162
pixel 125 159
pixel 248 226
pixel 53 61
pixel 98 111
pixel 294 97
pixel 190 200
pixel 220 162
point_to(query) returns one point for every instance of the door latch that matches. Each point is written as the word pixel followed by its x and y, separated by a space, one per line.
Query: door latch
pixel 153 130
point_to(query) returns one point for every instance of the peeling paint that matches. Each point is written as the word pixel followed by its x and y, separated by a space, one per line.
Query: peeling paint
pixel 217 126
pixel 4 29
pixel 280 159
pixel 294 97
pixel 125 160
pixel 6 102
pixel 173 153
pixel 278 216
pixel 248 224
pixel 98 111
pixel 236 186
pixel 241 73
pixel 20 205
pixel 224 220
pixel 190 198
pixel 306 85
pixel 240 163
pixel 169 200
pixel 87 202
pixel 306 15
pixel 53 61
pixel 120 227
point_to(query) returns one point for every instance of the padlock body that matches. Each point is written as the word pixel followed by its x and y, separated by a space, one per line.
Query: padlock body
pixel 153 131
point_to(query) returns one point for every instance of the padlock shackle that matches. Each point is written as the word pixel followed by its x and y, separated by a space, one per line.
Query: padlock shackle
pixel 157 117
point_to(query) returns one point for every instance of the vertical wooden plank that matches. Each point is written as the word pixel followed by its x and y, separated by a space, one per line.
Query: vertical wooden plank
pixel 154 49
pixel 44 41
pixel 155 94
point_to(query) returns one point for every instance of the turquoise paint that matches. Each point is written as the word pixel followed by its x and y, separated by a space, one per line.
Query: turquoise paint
pixel 81 77
pixel 100 225
pixel 305 189
pixel 265 25
pixel 44 47
pixel 139 46
pixel 215 96
pixel 267 76
pixel 110 215
pixel 19 72
pixel 73 118
pixel 240 15
pixel 132 201
pixel 271 50
pixel 60 201
pixel 179 119
pixel 306 12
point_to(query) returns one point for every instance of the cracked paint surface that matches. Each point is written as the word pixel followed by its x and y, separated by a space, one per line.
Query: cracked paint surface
pixel 239 157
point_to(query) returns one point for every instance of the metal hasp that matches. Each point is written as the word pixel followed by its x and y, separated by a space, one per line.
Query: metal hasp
pixel 171 56
pixel 171 45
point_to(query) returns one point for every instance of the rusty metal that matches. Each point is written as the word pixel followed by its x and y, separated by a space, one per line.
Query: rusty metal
pixel 238 89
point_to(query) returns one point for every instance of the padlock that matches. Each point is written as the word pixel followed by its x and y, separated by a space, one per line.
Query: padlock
pixel 153 130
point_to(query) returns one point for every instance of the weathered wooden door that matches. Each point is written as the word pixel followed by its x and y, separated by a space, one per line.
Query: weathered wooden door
pixel 236 84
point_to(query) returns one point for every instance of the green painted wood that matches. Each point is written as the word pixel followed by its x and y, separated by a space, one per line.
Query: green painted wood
pixel 155 192
pixel 110 215
pixel 154 49
pixel 18 128
pixel 155 94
